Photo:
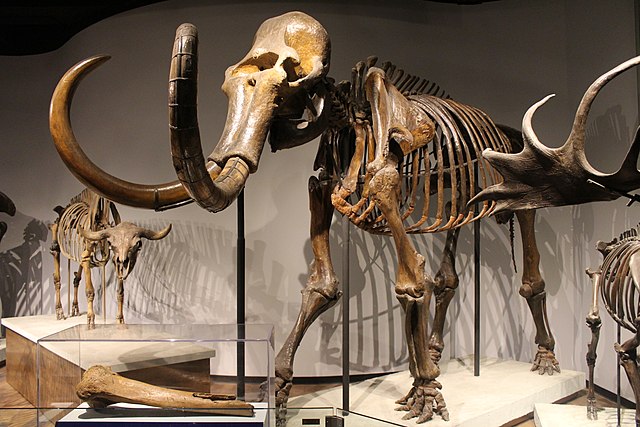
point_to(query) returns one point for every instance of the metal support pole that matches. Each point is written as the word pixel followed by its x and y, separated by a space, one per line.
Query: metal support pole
pixel 346 236
pixel 476 290
pixel 241 298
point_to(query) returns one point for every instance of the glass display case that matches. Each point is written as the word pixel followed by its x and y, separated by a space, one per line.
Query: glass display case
pixel 222 360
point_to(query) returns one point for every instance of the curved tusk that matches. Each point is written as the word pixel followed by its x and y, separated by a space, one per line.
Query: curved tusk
pixel 157 197
pixel 211 193
pixel 6 205
pixel 94 235
pixel 155 235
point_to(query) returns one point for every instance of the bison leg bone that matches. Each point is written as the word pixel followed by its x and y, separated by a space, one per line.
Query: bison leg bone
pixel 629 361
pixel 77 276
pixel 90 292
pixel 55 251
pixel 413 289
pixel 533 290
pixel 593 322
pixel 100 387
pixel 446 283
pixel 320 293
pixel 120 299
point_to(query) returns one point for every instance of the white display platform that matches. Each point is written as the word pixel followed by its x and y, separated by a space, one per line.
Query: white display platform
pixel 120 354
pixel 124 414
pixel 505 390
pixel 550 415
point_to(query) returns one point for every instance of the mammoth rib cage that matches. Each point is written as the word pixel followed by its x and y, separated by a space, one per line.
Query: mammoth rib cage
pixel 443 168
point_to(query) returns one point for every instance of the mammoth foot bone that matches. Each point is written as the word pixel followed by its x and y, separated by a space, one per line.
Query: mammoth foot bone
pixel 423 400
pixel 545 362
pixel 100 387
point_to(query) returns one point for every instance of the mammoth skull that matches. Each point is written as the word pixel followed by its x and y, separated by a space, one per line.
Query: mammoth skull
pixel 272 85
pixel 125 241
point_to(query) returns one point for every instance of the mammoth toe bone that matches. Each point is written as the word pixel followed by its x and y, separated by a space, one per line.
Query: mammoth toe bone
pixel 101 387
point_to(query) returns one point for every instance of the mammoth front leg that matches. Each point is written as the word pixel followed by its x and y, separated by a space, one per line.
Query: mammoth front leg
pixel 414 290
pixel 533 290
pixel 446 283
pixel 320 293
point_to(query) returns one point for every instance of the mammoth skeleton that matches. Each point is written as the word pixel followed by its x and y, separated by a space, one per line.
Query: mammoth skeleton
pixel 86 231
pixel 388 142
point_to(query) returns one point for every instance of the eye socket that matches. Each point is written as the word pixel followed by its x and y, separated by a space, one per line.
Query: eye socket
pixel 251 82
pixel 254 64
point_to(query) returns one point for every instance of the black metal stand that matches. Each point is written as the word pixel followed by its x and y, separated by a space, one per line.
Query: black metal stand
pixel 476 290
pixel 241 298
pixel 346 235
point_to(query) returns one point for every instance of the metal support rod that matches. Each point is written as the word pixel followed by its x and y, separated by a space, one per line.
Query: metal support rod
pixel 476 290
pixel 241 297
pixel 69 285
pixel 103 272
pixel 618 385
pixel 346 237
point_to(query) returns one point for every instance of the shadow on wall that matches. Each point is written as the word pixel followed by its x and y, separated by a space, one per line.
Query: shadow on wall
pixel 187 277
pixel 21 287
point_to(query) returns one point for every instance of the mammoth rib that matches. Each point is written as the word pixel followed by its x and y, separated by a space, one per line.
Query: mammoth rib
pixel 100 387
pixel 158 197
pixel 213 192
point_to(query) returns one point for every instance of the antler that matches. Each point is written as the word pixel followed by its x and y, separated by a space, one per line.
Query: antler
pixel 540 176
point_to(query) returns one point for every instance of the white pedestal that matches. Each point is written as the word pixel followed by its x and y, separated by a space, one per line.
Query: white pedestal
pixel 550 415
pixel 124 414
pixel 505 390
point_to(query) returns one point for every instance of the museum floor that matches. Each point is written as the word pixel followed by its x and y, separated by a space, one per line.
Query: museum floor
pixel 9 398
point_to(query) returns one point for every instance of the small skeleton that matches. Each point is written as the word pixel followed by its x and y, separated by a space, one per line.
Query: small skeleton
pixel 617 281
pixel 86 231
pixel 6 206
pixel 388 142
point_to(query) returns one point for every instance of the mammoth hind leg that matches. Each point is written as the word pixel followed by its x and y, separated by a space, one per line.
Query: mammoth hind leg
pixel 446 283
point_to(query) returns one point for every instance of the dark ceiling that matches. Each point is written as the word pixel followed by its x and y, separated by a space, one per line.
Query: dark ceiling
pixel 32 28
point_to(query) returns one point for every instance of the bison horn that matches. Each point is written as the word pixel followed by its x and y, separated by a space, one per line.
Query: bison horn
pixel 155 235
pixel 94 235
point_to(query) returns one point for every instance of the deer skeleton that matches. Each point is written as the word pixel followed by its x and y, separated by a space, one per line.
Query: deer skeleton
pixel 86 231
pixel 388 141
pixel 540 176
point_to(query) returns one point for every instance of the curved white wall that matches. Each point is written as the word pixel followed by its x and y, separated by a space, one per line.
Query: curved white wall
pixel 501 56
